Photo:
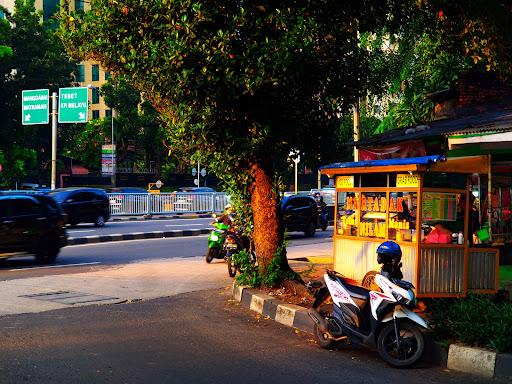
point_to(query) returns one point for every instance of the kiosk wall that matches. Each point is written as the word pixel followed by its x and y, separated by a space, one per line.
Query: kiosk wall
pixel 423 207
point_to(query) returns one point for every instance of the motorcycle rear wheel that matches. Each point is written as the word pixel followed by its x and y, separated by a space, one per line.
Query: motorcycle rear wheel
pixel 411 348
pixel 213 253
pixel 322 338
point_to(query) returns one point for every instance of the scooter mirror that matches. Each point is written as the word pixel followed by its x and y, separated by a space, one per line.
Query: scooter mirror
pixel 214 215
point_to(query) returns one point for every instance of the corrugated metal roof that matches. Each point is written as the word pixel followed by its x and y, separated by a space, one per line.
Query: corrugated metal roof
pixel 423 160
pixel 496 121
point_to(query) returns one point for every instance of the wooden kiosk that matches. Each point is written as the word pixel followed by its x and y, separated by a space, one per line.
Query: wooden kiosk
pixel 423 204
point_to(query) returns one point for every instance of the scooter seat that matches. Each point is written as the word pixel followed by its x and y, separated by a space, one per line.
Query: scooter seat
pixel 358 291
pixel 355 290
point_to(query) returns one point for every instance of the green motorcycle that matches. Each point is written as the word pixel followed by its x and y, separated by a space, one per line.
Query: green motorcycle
pixel 216 242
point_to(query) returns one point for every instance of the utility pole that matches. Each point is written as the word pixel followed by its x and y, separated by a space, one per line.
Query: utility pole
pixel 356 129
pixel 54 141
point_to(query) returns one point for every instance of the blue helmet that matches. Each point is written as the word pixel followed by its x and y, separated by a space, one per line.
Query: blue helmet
pixel 389 251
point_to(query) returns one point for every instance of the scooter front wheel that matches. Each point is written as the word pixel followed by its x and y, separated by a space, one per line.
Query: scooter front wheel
pixel 406 350
pixel 231 267
pixel 213 253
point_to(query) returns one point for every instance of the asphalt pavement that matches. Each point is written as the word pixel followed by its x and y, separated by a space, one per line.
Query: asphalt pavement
pixel 140 225
pixel 199 337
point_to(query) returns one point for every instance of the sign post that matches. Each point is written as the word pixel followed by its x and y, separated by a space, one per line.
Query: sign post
pixel 35 105
pixel 73 105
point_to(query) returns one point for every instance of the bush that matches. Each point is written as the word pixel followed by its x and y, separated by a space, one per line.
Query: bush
pixel 477 320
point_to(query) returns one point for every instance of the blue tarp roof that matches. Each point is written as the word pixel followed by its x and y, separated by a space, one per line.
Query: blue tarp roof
pixel 423 160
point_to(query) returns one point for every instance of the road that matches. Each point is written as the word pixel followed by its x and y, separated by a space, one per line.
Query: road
pixel 114 227
pixel 200 337
pixel 94 257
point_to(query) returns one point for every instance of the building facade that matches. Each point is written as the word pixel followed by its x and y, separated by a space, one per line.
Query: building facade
pixel 88 73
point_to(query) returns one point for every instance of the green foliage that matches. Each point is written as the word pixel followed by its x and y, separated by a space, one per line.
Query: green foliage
pixel 16 163
pixel 238 85
pixel 31 57
pixel 437 41
pixel 248 270
pixel 273 276
pixel 477 320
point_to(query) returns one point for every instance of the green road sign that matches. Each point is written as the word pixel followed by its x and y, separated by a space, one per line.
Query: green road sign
pixel 73 104
pixel 35 106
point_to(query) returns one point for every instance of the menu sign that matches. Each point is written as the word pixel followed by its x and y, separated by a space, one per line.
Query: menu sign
pixel 407 181
pixel 439 206
pixel 345 182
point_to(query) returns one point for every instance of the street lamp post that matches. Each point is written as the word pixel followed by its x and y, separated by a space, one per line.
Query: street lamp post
pixel 113 175
pixel 295 156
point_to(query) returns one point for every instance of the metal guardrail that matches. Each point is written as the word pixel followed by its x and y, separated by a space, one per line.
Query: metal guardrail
pixel 177 202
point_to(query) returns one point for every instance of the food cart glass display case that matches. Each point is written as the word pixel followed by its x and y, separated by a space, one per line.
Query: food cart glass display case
pixel 421 203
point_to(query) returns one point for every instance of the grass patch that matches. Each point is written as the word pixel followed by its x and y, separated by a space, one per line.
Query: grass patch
pixel 505 275
pixel 477 320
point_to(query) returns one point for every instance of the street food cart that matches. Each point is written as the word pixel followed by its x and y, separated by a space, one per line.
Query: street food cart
pixel 423 204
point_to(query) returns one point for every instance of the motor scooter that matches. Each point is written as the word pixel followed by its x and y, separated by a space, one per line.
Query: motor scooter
pixel 216 240
pixel 383 320
pixel 235 242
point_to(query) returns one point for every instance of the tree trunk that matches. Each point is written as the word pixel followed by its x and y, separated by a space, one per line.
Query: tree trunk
pixel 265 214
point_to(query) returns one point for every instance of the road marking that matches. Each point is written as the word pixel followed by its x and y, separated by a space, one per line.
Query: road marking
pixel 53 266
pixel 89 230
pixel 181 225
pixel 155 220
pixel 122 242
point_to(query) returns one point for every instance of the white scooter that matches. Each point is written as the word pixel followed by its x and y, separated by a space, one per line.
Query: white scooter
pixel 384 320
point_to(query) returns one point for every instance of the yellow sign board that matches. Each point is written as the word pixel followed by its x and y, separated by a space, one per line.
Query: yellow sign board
pixel 345 182
pixel 406 180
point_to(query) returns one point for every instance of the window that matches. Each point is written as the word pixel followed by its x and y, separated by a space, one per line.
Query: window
pixel 373 207
pixel 346 223
pixel 23 207
pixel 445 180
pixel 84 196
pixel 50 7
pixel 79 5
pixel 96 114
pixel 80 73
pixel 95 96
pixel 95 72
pixel 403 207
pixel 374 180
pixel 108 113
pixel 442 216
pixel 2 15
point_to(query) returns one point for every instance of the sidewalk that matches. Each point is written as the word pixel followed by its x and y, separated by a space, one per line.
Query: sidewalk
pixel 136 281
pixel 479 362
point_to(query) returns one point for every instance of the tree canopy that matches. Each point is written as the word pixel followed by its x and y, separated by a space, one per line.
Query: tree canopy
pixel 437 41
pixel 238 83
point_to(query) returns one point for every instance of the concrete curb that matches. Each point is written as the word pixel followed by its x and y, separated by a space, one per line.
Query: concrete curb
pixel 136 236
pixel 287 314
pixel 165 217
pixel 474 361
pixel 481 362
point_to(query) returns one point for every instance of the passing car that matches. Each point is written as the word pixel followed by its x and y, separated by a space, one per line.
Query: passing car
pixel 32 224
pixel 299 214
pixel 127 190
pixel 186 201
pixel 196 189
pixel 83 205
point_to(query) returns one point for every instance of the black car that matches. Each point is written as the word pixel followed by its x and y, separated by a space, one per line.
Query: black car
pixel 83 205
pixel 31 224
pixel 300 213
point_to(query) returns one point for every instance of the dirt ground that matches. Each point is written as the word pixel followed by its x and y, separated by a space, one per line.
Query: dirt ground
pixel 295 293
